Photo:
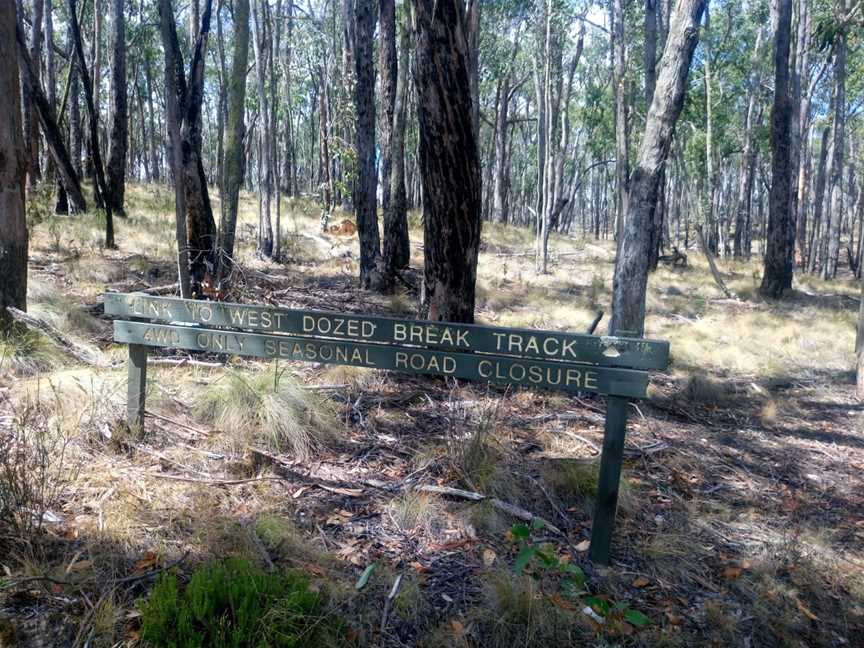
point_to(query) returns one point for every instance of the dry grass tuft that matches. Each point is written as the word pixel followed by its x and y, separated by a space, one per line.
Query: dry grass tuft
pixel 516 613
pixel 25 353
pixel 572 479
pixel 270 408
pixel 474 453
pixel 415 512
pixel 703 389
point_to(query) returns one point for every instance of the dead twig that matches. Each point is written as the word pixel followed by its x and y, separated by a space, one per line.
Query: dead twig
pixel 510 509
pixel 259 545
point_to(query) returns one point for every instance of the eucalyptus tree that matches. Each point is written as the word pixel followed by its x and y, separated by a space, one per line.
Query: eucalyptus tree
pixel 119 141
pixel 195 227
pixel 396 248
pixel 632 264
pixel 449 160
pixel 365 201
pixel 235 161
pixel 13 167
pixel 100 185
pixel 777 275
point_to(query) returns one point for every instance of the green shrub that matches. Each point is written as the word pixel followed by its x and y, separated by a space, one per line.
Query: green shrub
pixel 232 604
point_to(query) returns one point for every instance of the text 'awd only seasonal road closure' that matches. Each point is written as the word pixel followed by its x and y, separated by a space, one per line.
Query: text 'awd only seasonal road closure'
pixel 542 345
pixel 469 366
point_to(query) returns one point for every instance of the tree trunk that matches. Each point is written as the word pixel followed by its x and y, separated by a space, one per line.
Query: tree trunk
pixel 622 139
pixel 501 170
pixel 387 62
pixel 274 180
pixel 76 138
pixel 93 120
pixel 235 160
pixel 631 268
pixel 838 132
pixel 96 77
pixel 371 274
pixel 119 141
pixel 200 226
pixel 813 256
pixel 777 276
pixel 53 136
pixel 473 39
pixel 650 72
pixel 397 248
pixel 51 87
pixel 449 160
pixel 13 170
pixel 151 116
pixel 265 225
pixel 35 56
pixel 745 186
pixel 175 89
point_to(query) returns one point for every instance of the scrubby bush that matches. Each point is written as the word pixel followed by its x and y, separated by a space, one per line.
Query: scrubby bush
pixel 233 604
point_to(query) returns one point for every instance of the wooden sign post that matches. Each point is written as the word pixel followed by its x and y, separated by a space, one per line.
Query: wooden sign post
pixel 614 366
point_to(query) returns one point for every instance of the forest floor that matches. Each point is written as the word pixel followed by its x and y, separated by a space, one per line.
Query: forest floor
pixel 742 511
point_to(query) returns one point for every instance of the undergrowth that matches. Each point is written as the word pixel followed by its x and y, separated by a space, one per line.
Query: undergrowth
pixel 233 604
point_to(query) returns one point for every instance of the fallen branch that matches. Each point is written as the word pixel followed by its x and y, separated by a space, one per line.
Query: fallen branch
pixel 510 509
pixel 185 426
pixel 161 290
pixel 66 344
pixel 211 482
pixel 180 362
pixel 587 442
pixel 127 579
pixel 594 323
pixel 259 545
pixel 718 279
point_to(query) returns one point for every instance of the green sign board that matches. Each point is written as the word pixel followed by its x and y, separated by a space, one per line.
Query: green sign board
pixel 570 362
pixel 522 343
pixel 484 367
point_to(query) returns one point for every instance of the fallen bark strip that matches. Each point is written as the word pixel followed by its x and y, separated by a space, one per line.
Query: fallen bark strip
pixel 718 279
pixel 510 509
pixel 59 339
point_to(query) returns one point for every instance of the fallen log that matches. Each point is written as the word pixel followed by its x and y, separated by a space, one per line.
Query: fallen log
pixel 66 344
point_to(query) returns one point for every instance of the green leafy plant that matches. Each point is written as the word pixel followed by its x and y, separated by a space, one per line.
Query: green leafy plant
pixel 233 604
pixel 543 561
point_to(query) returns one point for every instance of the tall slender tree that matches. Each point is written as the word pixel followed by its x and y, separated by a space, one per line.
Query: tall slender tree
pixel 13 169
pixel 195 227
pixel 449 160
pixel 119 140
pixel 838 135
pixel 365 201
pixel 777 275
pixel 93 122
pixel 631 267
pixel 235 160
pixel 397 249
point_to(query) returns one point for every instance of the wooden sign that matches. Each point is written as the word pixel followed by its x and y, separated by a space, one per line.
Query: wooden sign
pixel 570 362
pixel 606 351
pixel 470 366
